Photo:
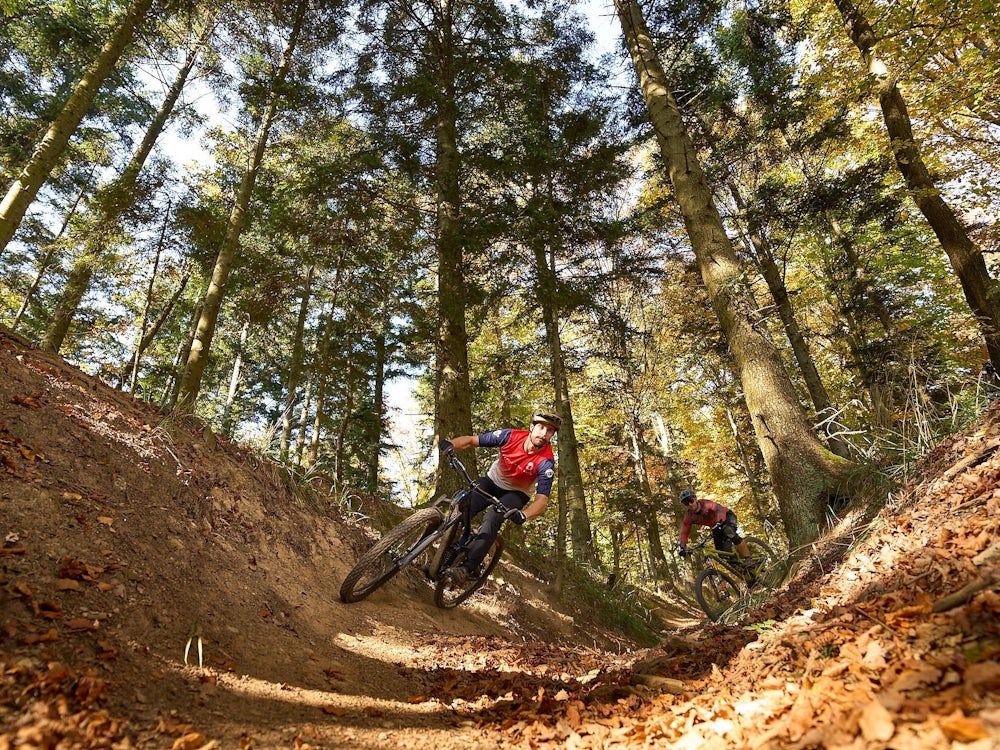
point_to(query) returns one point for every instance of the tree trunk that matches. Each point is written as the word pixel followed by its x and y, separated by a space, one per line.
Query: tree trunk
pixel 452 401
pixel 47 153
pixel 172 390
pixel 345 420
pixel 300 439
pixel 981 291
pixel 295 367
pixel 861 287
pixel 69 301
pixel 570 475
pixel 800 348
pixel 748 471
pixel 46 262
pixel 202 343
pixel 148 336
pixel 234 380
pixel 378 407
pixel 148 304
pixel 111 202
pixel 322 366
pixel 658 558
pixel 804 473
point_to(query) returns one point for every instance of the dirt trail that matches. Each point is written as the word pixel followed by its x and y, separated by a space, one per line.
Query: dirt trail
pixel 123 535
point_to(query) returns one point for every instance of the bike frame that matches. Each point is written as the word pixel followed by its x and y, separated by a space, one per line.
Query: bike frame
pixel 455 512
pixel 730 559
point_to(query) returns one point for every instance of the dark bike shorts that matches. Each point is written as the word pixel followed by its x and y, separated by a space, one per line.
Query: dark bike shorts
pixel 725 535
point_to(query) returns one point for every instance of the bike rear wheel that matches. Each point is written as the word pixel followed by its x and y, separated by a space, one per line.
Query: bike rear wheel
pixel 382 561
pixel 768 570
pixel 716 592
pixel 447 595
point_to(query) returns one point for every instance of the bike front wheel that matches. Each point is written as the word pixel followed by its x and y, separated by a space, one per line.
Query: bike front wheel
pixel 384 559
pixel 716 592
pixel 447 595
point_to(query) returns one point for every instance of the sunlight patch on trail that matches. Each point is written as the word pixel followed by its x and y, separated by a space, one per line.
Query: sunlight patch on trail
pixel 254 687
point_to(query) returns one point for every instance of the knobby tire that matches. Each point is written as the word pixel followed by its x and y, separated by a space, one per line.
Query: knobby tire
pixel 447 596
pixel 770 571
pixel 444 552
pixel 707 590
pixel 381 561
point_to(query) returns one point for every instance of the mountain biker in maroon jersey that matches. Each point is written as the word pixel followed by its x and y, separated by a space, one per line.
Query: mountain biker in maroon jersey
pixel 719 518
pixel 525 466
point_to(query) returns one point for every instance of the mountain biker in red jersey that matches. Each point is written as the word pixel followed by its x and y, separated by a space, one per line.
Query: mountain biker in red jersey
pixel 525 466
pixel 707 513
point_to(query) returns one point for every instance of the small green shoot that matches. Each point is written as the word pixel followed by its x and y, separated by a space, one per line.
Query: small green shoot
pixel 761 627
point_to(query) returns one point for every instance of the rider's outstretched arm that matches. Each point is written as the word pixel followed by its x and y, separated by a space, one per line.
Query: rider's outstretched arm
pixel 465 441
pixel 536 507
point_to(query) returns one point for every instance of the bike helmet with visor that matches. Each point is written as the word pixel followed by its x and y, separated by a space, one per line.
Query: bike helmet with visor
pixel 687 497
pixel 546 418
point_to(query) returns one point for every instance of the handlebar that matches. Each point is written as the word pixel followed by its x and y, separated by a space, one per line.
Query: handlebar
pixel 460 468
pixel 705 539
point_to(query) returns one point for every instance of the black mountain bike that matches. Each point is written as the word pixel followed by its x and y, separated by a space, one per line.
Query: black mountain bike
pixel 727 579
pixel 435 538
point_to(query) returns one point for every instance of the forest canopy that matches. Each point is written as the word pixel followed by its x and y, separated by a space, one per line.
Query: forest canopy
pixel 751 250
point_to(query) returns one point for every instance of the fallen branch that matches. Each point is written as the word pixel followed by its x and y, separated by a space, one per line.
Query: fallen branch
pixel 666 684
pixel 964 594
pixel 972 460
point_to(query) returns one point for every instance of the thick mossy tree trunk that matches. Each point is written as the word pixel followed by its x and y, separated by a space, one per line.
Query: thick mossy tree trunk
pixel 452 401
pixel 211 304
pixel 24 189
pixel 804 473
pixel 981 291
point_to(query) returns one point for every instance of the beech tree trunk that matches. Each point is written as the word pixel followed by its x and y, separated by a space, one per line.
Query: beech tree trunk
pixel 24 189
pixel 981 291
pixel 804 473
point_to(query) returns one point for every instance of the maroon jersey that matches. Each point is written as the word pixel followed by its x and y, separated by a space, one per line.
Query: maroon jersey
pixel 709 515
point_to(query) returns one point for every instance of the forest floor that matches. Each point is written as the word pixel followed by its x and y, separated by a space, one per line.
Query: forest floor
pixel 124 537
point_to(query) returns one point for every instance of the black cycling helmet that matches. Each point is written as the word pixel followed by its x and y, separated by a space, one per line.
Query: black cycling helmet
pixel 687 497
pixel 546 418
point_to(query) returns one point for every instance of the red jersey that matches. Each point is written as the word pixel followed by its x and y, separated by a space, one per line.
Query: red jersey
pixel 515 468
pixel 709 515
